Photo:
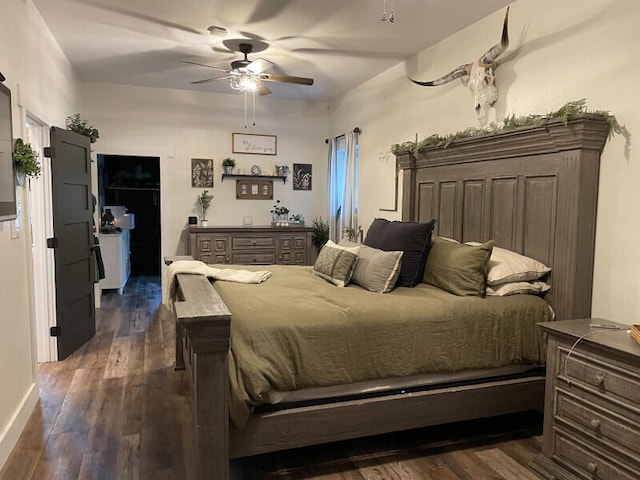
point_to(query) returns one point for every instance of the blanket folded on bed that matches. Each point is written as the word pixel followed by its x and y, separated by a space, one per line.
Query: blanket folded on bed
pixel 197 267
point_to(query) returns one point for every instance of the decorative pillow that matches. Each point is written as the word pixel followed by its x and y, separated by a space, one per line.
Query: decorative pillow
pixel 513 288
pixel 458 268
pixel 376 270
pixel 413 239
pixel 336 264
pixel 507 266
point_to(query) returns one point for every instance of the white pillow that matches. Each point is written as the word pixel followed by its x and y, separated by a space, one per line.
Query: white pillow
pixel 507 266
pixel 513 288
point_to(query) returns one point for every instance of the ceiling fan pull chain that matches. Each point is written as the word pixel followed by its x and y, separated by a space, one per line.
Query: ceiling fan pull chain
pixel 383 17
pixel 254 107
pixel 392 17
pixel 245 109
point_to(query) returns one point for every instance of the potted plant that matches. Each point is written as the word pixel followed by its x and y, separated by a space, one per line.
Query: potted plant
pixel 279 215
pixel 320 232
pixel 228 164
pixel 282 170
pixel 353 234
pixel 77 124
pixel 203 202
pixel 25 161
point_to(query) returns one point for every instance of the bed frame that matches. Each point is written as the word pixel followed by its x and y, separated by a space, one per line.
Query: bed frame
pixel 532 190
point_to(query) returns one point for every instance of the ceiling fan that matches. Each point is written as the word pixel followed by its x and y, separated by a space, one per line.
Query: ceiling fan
pixel 249 76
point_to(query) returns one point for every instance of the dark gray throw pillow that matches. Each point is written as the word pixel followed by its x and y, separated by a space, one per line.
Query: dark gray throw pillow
pixel 411 238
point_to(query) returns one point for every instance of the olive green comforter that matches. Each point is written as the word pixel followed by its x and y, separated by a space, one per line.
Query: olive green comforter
pixel 296 331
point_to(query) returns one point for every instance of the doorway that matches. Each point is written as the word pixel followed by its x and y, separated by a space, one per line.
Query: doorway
pixel 133 182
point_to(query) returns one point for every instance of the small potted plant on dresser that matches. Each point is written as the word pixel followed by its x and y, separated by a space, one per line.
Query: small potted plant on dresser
pixel 203 202
pixel 227 165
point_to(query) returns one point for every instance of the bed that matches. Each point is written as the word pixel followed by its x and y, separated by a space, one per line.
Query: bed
pixel 532 190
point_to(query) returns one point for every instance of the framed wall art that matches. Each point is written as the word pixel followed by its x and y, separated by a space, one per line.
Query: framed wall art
pixel 302 176
pixel 254 144
pixel 251 189
pixel 202 172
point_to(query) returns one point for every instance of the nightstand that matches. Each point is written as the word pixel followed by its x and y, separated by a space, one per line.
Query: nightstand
pixel 592 403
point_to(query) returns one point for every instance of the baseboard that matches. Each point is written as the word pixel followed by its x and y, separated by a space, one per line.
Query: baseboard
pixel 9 436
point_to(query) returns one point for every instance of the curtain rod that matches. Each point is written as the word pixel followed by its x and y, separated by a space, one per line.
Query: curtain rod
pixel 355 130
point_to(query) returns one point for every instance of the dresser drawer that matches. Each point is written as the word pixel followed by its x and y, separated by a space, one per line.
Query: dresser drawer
pixel 588 464
pixel 596 373
pixel 254 258
pixel 604 426
pixel 243 243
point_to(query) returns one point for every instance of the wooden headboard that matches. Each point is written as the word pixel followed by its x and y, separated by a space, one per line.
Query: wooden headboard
pixel 533 190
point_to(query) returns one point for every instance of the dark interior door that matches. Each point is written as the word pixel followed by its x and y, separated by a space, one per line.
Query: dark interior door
pixel 73 237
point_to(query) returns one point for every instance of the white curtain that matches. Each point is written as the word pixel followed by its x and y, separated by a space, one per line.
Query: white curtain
pixel 350 205
pixel 343 184
pixel 335 200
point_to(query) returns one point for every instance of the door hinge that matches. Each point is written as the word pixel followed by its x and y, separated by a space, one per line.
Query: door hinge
pixel 48 152
pixel 52 242
pixel 55 331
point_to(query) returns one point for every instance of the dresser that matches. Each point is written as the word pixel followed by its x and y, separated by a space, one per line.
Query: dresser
pixel 254 245
pixel 592 403
pixel 115 249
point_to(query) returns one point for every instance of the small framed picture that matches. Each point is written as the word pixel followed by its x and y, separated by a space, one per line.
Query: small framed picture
pixel 302 176
pixel 250 189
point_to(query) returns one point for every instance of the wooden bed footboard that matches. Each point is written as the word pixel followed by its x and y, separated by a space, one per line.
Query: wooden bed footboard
pixel 202 344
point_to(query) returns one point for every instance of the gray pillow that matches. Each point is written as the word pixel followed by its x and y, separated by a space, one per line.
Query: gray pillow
pixel 336 264
pixel 376 270
pixel 458 268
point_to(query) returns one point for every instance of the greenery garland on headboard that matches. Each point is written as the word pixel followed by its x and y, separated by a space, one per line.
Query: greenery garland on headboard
pixel 511 122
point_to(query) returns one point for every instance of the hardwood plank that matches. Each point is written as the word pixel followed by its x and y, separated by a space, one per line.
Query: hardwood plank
pixel 507 467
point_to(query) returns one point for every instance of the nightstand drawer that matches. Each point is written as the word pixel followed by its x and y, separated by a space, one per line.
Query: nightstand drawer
pixel 241 243
pixel 588 464
pixel 596 373
pixel 254 258
pixel 600 424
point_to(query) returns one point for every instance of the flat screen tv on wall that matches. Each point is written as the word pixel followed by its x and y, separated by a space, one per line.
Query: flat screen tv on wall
pixel 7 182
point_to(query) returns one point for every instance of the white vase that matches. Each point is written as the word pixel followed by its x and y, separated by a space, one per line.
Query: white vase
pixel 204 223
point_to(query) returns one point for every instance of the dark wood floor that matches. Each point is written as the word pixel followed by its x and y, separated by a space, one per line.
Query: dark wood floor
pixel 116 409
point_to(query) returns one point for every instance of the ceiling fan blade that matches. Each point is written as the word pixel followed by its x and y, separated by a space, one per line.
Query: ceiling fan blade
pixel 259 66
pixel 208 66
pixel 262 88
pixel 270 77
pixel 207 80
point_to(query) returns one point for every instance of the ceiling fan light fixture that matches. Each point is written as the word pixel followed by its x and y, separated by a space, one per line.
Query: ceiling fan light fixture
pixel 244 82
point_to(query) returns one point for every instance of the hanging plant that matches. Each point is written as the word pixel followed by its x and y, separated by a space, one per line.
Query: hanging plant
pixel 77 124
pixel 25 160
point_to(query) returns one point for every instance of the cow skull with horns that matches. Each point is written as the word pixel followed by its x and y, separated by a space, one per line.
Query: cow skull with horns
pixel 478 76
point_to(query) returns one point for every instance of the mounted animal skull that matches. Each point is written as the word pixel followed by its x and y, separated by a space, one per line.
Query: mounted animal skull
pixel 478 76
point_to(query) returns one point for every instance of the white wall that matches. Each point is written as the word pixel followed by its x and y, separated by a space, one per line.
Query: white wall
pixel 177 125
pixel 558 53
pixel 41 82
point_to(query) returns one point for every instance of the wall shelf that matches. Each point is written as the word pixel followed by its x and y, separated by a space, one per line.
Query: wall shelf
pixel 257 177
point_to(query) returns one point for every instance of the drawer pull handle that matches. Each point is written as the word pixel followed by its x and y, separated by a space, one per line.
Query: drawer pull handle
pixel 592 467
pixel 595 424
pixel 599 378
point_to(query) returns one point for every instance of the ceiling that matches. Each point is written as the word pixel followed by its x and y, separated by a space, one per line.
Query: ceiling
pixel 338 43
